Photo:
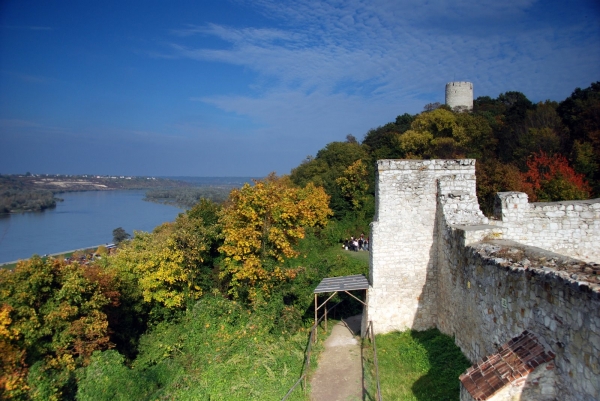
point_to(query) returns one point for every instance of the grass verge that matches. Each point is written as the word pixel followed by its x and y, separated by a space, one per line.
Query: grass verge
pixel 415 366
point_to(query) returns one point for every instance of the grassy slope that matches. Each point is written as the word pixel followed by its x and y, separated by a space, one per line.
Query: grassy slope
pixel 219 350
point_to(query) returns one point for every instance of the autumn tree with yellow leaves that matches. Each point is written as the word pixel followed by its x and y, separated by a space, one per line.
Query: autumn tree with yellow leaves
pixel 354 184
pixel 171 266
pixel 262 224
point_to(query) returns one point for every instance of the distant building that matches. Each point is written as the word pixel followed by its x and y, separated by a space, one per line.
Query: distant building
pixel 459 95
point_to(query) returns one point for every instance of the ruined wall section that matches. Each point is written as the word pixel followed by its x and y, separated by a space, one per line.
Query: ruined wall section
pixel 403 290
pixel 570 228
pixel 491 291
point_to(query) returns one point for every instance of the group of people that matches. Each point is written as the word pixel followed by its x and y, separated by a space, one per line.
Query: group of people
pixel 357 244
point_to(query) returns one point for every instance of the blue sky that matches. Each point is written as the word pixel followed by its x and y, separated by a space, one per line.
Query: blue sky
pixel 243 88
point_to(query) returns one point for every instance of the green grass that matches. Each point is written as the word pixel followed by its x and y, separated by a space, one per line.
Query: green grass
pixel 220 350
pixel 217 351
pixel 416 366
pixel 363 256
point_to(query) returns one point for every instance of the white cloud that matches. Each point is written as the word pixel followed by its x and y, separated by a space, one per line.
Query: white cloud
pixel 334 67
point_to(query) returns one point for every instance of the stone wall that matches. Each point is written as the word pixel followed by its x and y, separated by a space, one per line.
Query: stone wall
pixel 493 290
pixel 436 261
pixel 403 238
pixel 570 228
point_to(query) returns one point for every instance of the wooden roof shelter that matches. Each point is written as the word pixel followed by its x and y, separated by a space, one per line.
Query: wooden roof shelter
pixel 335 285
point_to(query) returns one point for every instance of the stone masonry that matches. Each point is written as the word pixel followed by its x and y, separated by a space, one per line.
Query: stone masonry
pixel 570 228
pixel 459 95
pixel 403 241
pixel 436 261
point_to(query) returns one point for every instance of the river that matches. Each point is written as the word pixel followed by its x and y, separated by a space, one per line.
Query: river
pixel 84 219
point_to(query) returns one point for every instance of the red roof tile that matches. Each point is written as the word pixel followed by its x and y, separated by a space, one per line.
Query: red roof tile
pixel 515 359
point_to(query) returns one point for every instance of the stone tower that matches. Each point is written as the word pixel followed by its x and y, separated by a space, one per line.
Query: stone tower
pixel 459 95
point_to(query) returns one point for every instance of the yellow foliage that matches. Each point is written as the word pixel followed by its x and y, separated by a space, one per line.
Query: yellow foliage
pixel 12 367
pixel 354 183
pixel 414 142
pixel 166 263
pixel 261 226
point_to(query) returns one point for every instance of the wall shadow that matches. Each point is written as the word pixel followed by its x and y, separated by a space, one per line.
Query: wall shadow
pixel 446 363
pixel 445 360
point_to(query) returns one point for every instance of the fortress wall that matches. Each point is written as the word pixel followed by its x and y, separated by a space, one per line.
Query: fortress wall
pixel 494 290
pixel 570 228
pixel 403 241
pixel 437 262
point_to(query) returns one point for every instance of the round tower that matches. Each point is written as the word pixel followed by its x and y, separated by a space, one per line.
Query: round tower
pixel 459 95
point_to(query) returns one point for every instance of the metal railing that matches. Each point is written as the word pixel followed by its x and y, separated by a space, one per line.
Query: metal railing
pixel 371 336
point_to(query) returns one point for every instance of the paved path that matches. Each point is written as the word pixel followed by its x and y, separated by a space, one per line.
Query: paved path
pixel 339 373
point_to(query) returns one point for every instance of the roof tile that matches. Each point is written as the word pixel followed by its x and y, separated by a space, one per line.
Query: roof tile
pixel 513 361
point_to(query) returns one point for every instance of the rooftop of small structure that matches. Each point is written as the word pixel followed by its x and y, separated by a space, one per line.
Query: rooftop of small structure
pixel 519 257
pixel 343 283
pixel 514 360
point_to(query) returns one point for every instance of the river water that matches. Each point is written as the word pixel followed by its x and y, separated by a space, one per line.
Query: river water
pixel 84 219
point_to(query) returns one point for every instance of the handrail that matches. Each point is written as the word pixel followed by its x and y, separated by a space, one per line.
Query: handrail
pixel 371 335
pixel 308 351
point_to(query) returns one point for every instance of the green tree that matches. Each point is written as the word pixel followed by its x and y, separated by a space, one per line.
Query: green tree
pixel 160 266
pixel 120 235
pixel 434 134
pixel 580 113
pixel 329 165
pixel 380 141
pixel 493 177
pixel 354 184
pixel 513 120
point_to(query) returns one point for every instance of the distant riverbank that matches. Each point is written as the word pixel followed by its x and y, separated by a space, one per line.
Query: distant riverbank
pixel 37 192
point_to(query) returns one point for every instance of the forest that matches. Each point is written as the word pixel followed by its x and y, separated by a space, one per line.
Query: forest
pixel 217 304
pixel 549 150
pixel 187 197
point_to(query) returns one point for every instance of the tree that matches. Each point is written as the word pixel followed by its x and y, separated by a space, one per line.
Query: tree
pixel 354 184
pixel 432 106
pixel 262 224
pixel 493 177
pixel 13 382
pixel 52 317
pixel 158 265
pixel 433 134
pixel 551 178
pixel 513 120
pixel 479 140
pixel 172 266
pixel 330 164
pixel 580 112
pixel 120 235
pixel 380 141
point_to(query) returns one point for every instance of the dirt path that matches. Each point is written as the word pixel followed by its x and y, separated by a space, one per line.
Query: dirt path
pixel 339 374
